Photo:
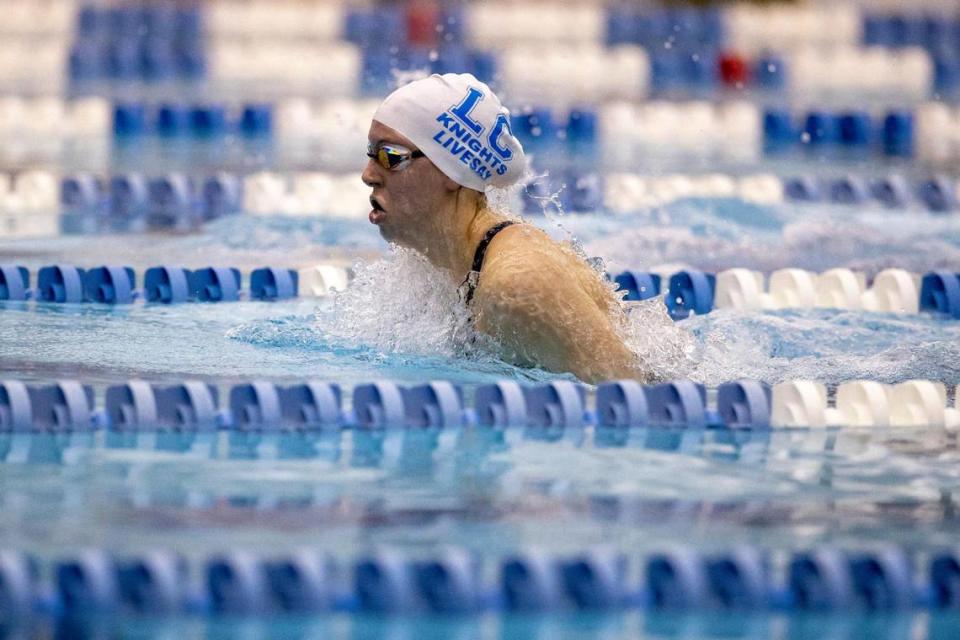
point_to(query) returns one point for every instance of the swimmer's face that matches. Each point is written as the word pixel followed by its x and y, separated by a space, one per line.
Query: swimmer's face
pixel 406 202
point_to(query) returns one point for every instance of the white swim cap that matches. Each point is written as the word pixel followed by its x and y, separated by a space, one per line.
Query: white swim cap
pixel 459 124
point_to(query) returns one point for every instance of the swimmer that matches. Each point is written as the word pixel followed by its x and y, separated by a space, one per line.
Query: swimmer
pixel 436 146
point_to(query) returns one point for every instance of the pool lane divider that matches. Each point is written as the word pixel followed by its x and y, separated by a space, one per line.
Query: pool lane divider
pixel 824 579
pixel 116 285
pixel 688 292
pixel 193 407
pixel 694 292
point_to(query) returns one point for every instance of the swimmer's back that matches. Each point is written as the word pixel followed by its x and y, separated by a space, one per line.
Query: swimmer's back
pixel 547 307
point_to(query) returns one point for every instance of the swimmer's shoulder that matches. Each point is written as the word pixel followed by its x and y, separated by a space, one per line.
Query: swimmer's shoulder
pixel 525 264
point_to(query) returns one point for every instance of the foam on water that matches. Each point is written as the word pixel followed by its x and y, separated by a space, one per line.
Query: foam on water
pixel 720 234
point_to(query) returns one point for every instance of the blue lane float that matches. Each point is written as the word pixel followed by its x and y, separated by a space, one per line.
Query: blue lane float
pixel 153 584
pixel 387 581
pixel 849 190
pixel 738 408
pixel 940 293
pixel 60 283
pixel 116 285
pixel 110 285
pixel 270 283
pixel 215 284
pixel 893 192
pixel 622 404
pixel 500 404
pixel 14 283
pixel 555 405
pixel 530 581
pixel 938 194
pixel 167 285
pixel 690 292
pixel 802 189
pixel 638 285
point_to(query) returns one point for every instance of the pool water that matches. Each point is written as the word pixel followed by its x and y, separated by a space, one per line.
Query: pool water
pixel 491 492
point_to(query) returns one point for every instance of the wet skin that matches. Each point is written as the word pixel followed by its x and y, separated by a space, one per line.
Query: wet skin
pixel 541 301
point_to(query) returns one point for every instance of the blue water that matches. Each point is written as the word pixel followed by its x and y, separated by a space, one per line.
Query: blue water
pixel 489 492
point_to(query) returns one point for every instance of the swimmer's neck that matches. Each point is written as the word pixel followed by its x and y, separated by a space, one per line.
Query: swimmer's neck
pixel 469 219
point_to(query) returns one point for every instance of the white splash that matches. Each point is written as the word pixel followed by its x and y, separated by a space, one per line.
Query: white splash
pixel 401 304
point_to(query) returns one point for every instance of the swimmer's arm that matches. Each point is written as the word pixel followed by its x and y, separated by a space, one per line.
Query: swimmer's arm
pixel 542 319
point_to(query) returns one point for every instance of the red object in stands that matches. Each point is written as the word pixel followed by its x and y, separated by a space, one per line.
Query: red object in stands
pixel 734 70
pixel 422 17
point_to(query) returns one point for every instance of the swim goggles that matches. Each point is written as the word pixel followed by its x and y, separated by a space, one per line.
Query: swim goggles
pixel 392 157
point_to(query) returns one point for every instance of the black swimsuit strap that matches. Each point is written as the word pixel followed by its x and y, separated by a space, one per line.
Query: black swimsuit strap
pixel 471 280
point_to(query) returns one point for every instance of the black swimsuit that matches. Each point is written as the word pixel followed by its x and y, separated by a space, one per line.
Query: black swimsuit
pixel 469 284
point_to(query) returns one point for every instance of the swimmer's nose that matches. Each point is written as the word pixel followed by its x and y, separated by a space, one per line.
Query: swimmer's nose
pixel 371 176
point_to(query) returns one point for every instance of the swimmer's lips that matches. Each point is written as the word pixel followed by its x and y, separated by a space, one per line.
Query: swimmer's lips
pixel 377 214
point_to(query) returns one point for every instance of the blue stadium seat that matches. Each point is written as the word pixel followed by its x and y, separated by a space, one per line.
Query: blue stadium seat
pixel 821 127
pixel 855 129
pixel 770 71
pixel 256 120
pixel 129 119
pixel 208 121
pixel 778 130
pixel 172 119
pixel 584 192
pixel 898 134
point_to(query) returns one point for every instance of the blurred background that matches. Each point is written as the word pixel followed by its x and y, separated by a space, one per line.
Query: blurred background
pixel 120 116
